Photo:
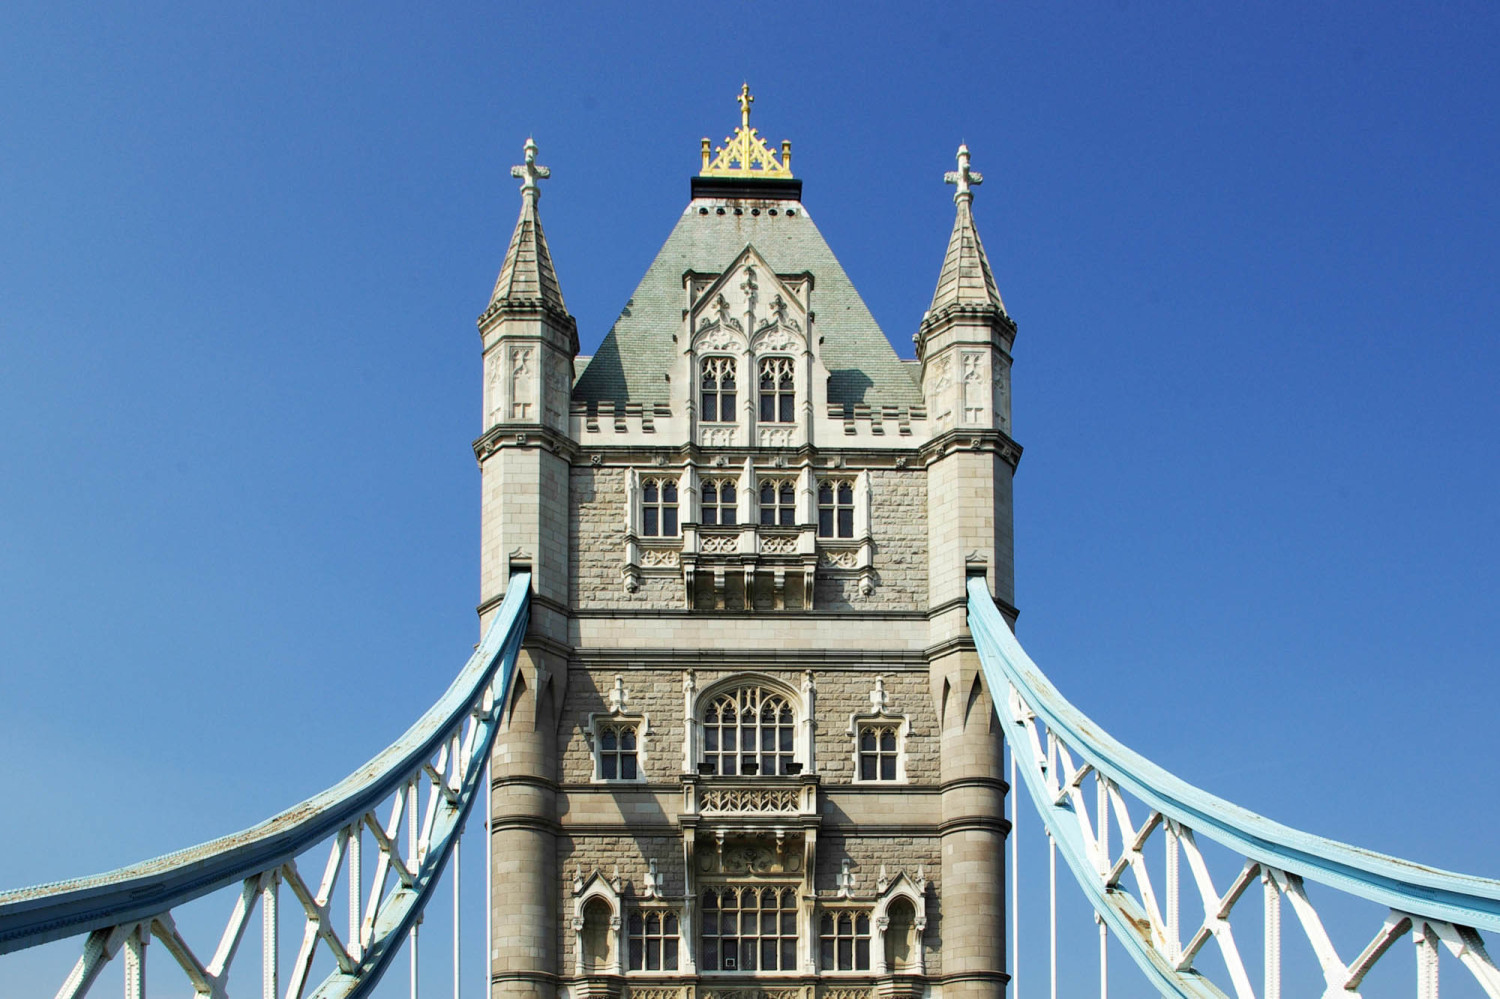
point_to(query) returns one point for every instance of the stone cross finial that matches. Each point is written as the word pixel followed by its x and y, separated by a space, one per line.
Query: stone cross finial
pixel 530 173
pixel 963 177
pixel 878 699
pixel 846 879
pixel 745 101
pixel 617 696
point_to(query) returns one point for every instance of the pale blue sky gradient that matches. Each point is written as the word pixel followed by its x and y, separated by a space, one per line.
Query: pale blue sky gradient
pixel 1251 250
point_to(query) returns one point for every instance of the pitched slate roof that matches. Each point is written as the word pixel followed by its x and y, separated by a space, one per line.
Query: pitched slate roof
pixel 528 274
pixel 632 362
pixel 965 278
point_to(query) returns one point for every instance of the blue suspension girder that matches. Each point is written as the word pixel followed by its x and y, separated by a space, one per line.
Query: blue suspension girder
pixel 1433 904
pixel 445 753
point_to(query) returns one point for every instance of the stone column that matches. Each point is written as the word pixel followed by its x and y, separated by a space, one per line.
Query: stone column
pixel 974 828
pixel 523 837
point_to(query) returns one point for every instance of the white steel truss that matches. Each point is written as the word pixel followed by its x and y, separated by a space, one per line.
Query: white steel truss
pixel 1103 806
pixel 409 805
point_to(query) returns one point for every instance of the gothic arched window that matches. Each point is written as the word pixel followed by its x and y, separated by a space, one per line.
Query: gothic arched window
pixel 718 390
pixel 659 508
pixel 778 502
pixel 844 941
pixel 617 755
pixel 749 730
pixel 653 941
pixel 778 394
pixel 749 929
pixel 835 509
pixel 719 501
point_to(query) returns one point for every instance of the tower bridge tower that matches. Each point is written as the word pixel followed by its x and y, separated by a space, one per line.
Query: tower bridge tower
pixel 749 751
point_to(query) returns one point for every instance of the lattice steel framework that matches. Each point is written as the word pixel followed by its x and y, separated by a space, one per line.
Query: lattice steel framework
pixel 1062 756
pixel 408 806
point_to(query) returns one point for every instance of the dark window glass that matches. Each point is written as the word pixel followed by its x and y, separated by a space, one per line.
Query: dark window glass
pixel 878 752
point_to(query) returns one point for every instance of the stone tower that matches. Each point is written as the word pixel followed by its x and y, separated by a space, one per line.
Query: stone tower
pixel 749 754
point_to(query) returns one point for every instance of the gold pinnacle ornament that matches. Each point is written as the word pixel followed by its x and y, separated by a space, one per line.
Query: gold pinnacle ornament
pixel 745 153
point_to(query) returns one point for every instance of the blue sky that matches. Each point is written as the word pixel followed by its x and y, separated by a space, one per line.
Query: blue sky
pixel 1252 252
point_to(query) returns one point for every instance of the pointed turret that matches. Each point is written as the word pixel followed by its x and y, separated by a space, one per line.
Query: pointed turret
pixel 530 341
pixel 966 277
pixel 528 274
pixel 965 338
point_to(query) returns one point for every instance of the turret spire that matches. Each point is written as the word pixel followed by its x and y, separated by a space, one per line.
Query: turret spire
pixel 966 277
pixel 528 275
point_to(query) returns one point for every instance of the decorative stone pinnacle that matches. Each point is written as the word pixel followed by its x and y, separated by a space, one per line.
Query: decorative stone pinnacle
pixel 530 173
pixel 745 153
pixel 963 177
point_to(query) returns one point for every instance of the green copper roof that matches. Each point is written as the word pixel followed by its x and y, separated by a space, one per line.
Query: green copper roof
pixel 632 362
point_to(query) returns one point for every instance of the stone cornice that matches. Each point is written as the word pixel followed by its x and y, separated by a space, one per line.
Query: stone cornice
pixel 748 659
pixel 528 308
pixel 524 435
pixel 958 311
pixel 986 439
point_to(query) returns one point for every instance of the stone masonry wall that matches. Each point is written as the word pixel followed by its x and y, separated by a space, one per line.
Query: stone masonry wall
pixel 630 856
pixel 657 694
pixel 866 854
pixel 898 525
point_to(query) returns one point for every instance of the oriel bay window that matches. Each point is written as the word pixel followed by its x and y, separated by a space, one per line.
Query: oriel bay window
pixel 748 928
pixel 748 731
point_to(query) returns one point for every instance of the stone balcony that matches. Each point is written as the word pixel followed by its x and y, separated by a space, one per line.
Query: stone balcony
pixel 750 800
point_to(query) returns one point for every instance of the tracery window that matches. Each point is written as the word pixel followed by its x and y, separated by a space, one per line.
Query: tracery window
pixel 844 941
pixel 747 928
pixel 617 751
pixel 718 390
pixel 835 509
pixel 659 508
pixel 777 390
pixel 749 730
pixel 653 939
pixel 778 502
pixel 718 502
pixel 878 752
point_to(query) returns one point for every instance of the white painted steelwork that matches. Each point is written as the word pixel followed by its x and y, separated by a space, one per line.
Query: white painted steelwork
pixel 424 785
pixel 1058 751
